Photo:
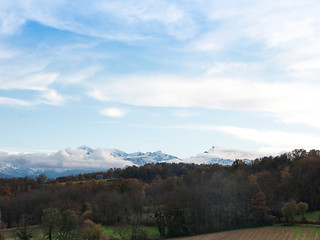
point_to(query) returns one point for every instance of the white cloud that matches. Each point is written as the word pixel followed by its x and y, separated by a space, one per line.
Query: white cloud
pixel 25 74
pixel 158 14
pixel 280 33
pixel 51 97
pixel 28 76
pixel 273 22
pixel 13 102
pixel 78 77
pixel 207 43
pixel 37 82
pixel 113 112
pixel 70 158
pixel 98 95
pixel 224 68
pixel 233 154
pixel 282 36
pixel 7 53
pixel 272 141
pixel 10 18
pixel 289 101
pixel 124 21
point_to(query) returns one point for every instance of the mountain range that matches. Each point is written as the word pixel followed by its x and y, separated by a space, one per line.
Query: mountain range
pixel 72 161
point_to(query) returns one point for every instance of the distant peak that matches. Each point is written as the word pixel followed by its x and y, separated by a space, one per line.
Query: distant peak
pixel 84 147
pixel 210 150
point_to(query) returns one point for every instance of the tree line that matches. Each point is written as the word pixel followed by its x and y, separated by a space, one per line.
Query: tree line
pixel 180 199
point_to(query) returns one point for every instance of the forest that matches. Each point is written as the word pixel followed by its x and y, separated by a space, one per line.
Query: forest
pixel 180 199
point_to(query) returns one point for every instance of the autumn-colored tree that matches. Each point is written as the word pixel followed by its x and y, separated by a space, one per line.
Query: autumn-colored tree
pixel 86 211
pixel 192 198
pixel 307 180
pixel 260 213
pixel 5 190
pixel 92 231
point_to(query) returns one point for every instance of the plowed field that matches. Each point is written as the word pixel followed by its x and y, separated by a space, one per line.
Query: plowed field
pixel 266 233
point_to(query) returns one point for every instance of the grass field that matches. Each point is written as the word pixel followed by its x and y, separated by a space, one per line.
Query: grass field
pixel 310 216
pixel 11 232
pixel 266 233
pixel 152 232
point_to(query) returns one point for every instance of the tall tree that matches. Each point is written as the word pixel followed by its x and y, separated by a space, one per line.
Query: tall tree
pixel 302 208
pixel 51 219
pixel 92 231
pixel 69 226
pixel 3 228
pixel 289 211
pixel 23 232
pixel 260 213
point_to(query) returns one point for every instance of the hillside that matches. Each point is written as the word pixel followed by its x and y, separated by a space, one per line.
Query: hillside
pixel 181 199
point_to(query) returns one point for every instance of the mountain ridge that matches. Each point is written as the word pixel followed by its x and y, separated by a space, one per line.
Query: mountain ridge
pixel 84 159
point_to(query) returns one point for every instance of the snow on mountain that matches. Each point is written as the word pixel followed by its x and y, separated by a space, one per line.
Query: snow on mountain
pixel 140 158
pixel 86 148
pixel 74 161
pixel 9 170
pixel 223 156
pixel 78 160
pixel 84 159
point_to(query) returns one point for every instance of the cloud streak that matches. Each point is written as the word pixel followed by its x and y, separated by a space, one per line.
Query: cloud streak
pixel 113 112
pixel 246 56
pixel 13 102
pixel 123 18
pixel 293 102
pixel 272 141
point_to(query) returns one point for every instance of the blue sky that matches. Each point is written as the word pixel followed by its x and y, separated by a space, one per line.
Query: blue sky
pixel 179 76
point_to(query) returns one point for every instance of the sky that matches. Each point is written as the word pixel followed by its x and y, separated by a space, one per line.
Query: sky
pixel 176 76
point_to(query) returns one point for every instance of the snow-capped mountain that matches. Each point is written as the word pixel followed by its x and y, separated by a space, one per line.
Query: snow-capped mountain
pixel 73 161
pixel 86 148
pixel 10 170
pixel 84 159
pixel 140 158
pixel 137 158
pixel 223 156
